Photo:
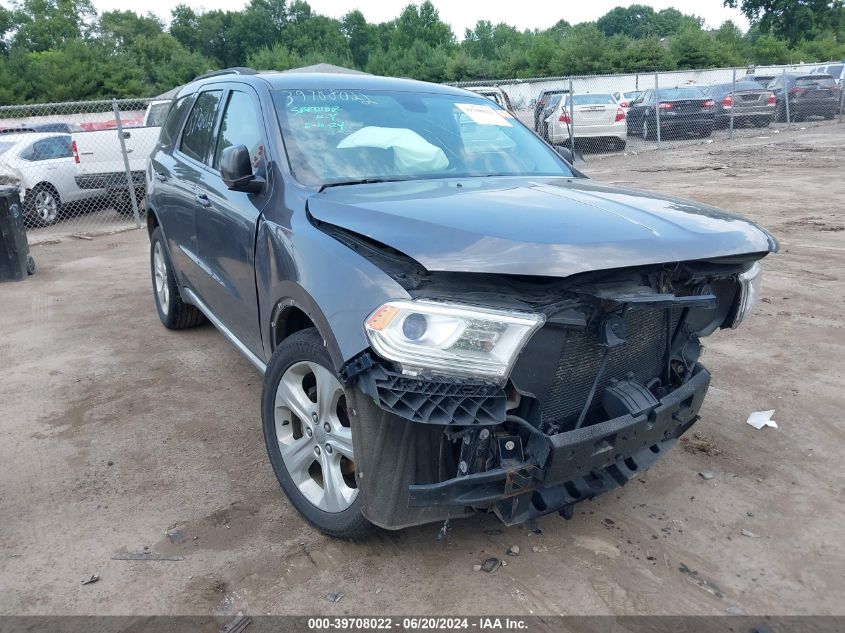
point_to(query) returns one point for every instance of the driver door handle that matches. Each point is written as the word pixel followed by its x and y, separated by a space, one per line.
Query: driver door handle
pixel 202 199
pixel 161 176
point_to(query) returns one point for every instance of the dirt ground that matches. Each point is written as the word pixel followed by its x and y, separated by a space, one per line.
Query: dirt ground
pixel 114 430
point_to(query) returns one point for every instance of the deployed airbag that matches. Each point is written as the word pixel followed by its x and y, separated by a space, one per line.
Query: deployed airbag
pixel 412 153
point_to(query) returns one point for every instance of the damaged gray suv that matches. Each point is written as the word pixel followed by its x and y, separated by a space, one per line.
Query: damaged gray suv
pixel 449 317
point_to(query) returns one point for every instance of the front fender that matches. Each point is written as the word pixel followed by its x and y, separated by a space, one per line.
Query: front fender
pixel 333 285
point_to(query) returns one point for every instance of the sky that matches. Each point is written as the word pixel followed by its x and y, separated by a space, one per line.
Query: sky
pixel 461 14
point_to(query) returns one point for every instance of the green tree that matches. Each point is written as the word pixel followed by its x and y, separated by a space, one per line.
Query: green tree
pixel 43 25
pixel 122 28
pixel 360 35
pixel 692 48
pixel 793 19
pixel 637 20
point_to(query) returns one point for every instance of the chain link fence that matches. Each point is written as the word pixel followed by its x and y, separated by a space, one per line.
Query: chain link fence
pixel 642 111
pixel 79 166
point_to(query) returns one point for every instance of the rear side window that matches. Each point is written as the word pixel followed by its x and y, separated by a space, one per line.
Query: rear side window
pixel 199 128
pixel 48 149
pixel 173 122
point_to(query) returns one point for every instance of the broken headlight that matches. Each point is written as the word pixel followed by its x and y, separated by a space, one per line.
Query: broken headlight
pixel 749 289
pixel 446 338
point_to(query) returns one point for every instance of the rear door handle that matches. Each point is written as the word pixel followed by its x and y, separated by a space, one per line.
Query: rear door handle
pixel 202 199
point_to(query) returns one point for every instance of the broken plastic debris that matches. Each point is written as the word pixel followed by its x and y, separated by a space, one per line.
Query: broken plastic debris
pixel 334 596
pixel 91 579
pixel 759 419
pixel 748 533
pixel 491 564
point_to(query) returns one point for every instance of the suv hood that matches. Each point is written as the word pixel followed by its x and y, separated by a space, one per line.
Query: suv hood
pixel 535 226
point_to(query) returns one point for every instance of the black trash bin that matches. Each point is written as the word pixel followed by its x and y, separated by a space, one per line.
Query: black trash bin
pixel 15 262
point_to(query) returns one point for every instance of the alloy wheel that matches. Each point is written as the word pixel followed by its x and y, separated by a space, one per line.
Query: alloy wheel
pixel 160 273
pixel 46 206
pixel 314 436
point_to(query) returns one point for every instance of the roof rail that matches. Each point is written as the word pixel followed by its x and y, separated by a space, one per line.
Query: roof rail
pixel 236 70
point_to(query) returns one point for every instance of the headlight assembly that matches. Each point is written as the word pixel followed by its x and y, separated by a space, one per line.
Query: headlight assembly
pixel 749 289
pixel 452 339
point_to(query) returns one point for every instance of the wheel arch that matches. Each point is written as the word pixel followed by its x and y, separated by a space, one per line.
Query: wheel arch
pixel 298 311
pixel 152 220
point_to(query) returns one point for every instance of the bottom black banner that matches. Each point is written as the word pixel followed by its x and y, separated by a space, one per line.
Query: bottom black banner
pixel 531 624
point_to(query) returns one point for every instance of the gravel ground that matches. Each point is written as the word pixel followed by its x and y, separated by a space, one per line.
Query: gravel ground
pixel 114 430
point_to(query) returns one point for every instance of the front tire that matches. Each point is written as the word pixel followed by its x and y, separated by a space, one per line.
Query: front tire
pixel 173 312
pixel 308 435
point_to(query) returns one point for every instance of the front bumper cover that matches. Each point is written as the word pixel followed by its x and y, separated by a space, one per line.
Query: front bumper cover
pixel 575 465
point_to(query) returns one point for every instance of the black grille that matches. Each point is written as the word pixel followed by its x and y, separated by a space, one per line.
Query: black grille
pixel 642 354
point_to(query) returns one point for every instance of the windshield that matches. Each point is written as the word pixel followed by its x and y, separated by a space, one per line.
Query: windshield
pixel 592 100
pixel 337 136
pixel 680 93
pixel 835 70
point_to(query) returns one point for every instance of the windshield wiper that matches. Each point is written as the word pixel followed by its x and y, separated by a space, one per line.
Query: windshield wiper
pixel 362 181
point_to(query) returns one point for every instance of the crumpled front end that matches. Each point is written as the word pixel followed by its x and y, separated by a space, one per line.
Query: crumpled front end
pixel 601 390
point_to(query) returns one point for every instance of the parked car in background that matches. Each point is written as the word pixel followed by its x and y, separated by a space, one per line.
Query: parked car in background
pixel 624 99
pixel 156 112
pixel 543 125
pixel 495 94
pixel 65 128
pixel 443 327
pixel 745 101
pixel 598 119
pixel 808 95
pixel 42 166
pixel 100 164
pixel 684 111
pixel 542 103
pixel 837 71
pixel 762 80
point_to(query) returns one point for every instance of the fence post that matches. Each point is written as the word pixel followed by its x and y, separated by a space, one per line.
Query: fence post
pixel 129 182
pixel 786 99
pixel 657 107
pixel 733 96
pixel 571 118
pixel 841 99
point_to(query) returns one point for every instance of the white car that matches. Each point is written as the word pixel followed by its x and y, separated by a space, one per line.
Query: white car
pixel 42 165
pixel 596 117
pixel 625 98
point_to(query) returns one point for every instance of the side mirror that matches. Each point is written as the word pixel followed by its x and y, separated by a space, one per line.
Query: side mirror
pixel 236 170
pixel 565 153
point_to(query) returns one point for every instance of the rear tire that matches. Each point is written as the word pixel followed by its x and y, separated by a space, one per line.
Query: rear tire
pixel 648 130
pixel 43 205
pixel 308 436
pixel 173 312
